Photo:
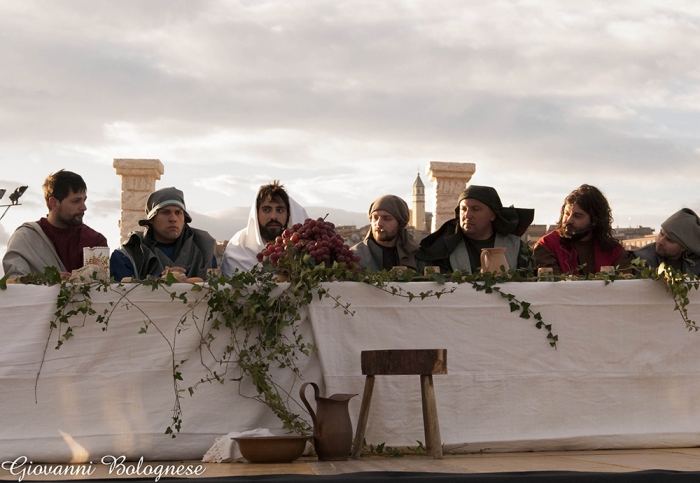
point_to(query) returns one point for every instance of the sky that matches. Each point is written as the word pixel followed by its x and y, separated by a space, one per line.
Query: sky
pixel 346 101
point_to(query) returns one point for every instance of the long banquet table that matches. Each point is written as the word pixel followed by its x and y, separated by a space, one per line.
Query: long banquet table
pixel 625 373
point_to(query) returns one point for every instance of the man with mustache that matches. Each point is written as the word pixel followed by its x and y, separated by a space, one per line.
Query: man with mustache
pixel 57 240
pixel 387 243
pixel 583 241
pixel 167 244
pixel 677 245
pixel 274 210
pixel 481 221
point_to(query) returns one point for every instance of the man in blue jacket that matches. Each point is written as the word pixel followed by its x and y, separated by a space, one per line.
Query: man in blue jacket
pixel 167 244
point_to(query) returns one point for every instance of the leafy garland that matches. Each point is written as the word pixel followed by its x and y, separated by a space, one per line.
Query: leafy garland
pixel 259 316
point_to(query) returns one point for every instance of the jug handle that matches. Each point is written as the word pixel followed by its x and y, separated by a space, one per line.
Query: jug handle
pixel 485 262
pixel 302 390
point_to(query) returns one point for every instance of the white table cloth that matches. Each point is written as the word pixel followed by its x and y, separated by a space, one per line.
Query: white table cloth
pixel 626 372
pixel 111 393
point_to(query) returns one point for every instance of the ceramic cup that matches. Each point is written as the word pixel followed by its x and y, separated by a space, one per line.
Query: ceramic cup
pixel 96 256
pixel 545 273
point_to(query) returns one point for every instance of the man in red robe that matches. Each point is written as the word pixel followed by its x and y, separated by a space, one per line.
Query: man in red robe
pixel 583 241
pixel 57 240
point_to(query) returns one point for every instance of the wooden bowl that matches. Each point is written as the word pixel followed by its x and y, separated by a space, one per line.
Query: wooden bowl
pixel 272 449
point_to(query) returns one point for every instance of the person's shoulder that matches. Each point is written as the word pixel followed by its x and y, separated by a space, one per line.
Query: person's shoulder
pixel 646 251
pixel 28 228
pixel 361 245
pixel 92 233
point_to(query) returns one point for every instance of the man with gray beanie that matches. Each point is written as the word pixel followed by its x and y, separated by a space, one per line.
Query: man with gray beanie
pixel 677 245
pixel 167 244
pixel 388 243
pixel 481 221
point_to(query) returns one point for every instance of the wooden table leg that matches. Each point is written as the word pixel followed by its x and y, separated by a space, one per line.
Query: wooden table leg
pixel 430 417
pixel 362 420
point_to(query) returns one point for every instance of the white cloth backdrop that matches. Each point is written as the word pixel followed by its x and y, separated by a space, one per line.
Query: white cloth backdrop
pixel 111 393
pixel 626 372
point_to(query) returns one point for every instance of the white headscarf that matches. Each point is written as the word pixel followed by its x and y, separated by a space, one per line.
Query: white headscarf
pixel 242 251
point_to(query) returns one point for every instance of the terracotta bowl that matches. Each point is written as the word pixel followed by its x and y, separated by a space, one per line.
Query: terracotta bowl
pixel 272 449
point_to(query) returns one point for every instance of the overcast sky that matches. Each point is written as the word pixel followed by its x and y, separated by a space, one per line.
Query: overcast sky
pixel 346 101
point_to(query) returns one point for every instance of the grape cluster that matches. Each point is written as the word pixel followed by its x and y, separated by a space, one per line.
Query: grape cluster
pixel 315 237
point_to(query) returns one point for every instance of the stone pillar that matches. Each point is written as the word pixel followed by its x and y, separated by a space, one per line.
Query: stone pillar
pixel 139 178
pixel 451 180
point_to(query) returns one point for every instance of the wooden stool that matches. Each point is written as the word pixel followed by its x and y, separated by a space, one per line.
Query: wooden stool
pixel 423 362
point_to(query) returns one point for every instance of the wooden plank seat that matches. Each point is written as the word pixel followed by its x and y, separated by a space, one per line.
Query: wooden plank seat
pixel 423 362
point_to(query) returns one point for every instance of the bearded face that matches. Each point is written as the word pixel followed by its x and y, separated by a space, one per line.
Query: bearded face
pixel 272 219
pixel 575 222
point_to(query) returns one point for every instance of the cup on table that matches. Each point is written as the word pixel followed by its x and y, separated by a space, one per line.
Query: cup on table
pixel 427 272
pixel 399 269
pixel 96 256
pixel 545 273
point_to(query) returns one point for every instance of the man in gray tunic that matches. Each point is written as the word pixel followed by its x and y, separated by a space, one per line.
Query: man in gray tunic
pixel 677 244
pixel 481 221
pixel 388 243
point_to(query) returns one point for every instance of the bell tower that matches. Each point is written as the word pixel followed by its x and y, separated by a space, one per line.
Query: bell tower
pixel 418 211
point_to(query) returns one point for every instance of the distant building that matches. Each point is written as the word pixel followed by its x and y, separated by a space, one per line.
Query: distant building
pixel 629 233
pixel 351 234
pixel 420 220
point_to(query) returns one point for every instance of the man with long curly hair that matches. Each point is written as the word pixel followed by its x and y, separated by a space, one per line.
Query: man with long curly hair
pixel 583 241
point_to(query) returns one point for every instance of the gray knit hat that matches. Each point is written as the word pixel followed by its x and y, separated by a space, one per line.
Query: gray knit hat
pixel 162 198
pixel 684 227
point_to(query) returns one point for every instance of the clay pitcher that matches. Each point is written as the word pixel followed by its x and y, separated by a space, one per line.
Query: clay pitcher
pixel 332 426
pixel 492 259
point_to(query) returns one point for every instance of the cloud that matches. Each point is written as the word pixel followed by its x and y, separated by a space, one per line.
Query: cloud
pixel 343 101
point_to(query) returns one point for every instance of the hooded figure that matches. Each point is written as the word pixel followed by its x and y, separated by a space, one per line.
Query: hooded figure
pixel 481 221
pixel 677 244
pixel 387 243
pixel 167 241
pixel 242 251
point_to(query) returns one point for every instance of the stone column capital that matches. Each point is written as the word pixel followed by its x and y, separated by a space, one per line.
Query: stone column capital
pixel 442 170
pixel 149 168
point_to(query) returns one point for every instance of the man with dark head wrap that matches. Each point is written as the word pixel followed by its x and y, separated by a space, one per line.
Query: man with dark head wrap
pixel 677 245
pixel 388 243
pixel 168 242
pixel 481 221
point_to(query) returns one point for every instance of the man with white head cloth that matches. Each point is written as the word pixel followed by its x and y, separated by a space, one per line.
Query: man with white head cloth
pixel 273 211
pixel 388 243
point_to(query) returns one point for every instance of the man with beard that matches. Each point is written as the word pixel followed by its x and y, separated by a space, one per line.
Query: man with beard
pixel 270 215
pixel 677 245
pixel 167 244
pixel 583 241
pixel 57 240
pixel 481 221
pixel 387 243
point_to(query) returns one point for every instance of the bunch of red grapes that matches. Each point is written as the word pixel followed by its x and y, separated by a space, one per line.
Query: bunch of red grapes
pixel 315 237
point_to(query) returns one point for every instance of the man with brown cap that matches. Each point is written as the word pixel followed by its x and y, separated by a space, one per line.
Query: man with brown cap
pixel 677 245
pixel 167 244
pixel 388 243
pixel 481 221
